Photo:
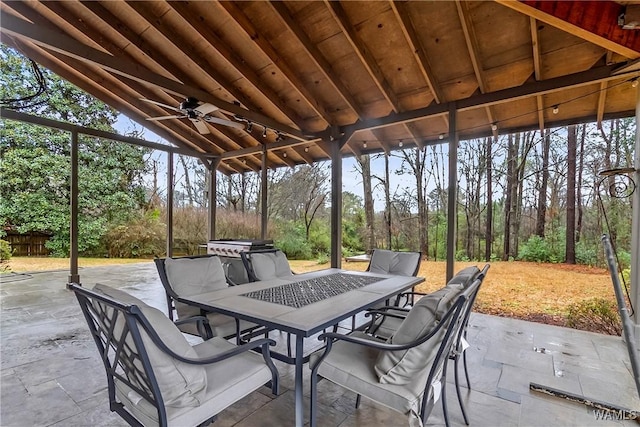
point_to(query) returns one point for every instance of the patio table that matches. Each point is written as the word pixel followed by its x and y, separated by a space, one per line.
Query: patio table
pixel 303 305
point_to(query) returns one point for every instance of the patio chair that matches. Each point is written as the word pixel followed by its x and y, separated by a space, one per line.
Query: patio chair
pixel 154 376
pixel 384 261
pixel 266 264
pixel 388 319
pixel 193 275
pixel 408 372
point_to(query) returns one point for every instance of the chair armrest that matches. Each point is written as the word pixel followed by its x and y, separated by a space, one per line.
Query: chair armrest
pixel 202 324
pixel 263 342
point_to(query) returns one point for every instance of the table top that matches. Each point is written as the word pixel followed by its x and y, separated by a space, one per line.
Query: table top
pixel 307 317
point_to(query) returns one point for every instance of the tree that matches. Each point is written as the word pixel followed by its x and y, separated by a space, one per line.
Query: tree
pixel 570 244
pixel 364 161
pixel 35 167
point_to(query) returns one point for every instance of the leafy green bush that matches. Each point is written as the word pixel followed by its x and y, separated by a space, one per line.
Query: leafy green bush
pixel 5 255
pixel 461 255
pixel 293 243
pixel 5 251
pixel 595 315
pixel 323 258
pixel 536 249
pixel 624 259
pixel 586 254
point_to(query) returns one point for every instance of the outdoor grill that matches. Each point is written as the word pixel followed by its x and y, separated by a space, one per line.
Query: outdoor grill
pixel 229 252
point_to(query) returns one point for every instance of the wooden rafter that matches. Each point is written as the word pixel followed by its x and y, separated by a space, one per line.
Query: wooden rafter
pixel 267 48
pixel 317 57
pixel 537 72
pixel 303 152
pixel 369 62
pixel 12 25
pixel 411 36
pixel 473 48
pixel 200 26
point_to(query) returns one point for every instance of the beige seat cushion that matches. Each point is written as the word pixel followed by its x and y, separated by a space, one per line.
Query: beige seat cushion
pixel 352 366
pixel 181 384
pixel 228 381
pixel 270 265
pixel 401 367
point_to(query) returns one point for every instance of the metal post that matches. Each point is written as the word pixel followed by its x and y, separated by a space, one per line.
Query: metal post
pixel 264 214
pixel 452 203
pixel 169 204
pixel 336 205
pixel 74 277
pixel 213 197
pixel 635 231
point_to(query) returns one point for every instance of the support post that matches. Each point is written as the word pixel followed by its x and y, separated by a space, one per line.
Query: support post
pixel 336 204
pixel 169 204
pixel 452 205
pixel 264 214
pixel 213 196
pixel 74 277
pixel 635 231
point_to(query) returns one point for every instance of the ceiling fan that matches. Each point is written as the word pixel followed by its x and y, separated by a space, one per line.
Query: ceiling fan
pixel 195 111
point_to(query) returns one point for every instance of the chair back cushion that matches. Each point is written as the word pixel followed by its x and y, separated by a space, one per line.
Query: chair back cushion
pixel 402 367
pixel 384 261
pixel 270 265
pixel 465 277
pixel 193 276
pixel 180 384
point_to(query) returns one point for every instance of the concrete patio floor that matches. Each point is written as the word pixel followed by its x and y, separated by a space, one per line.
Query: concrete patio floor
pixel 51 374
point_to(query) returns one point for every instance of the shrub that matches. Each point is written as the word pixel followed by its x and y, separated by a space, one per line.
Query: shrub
pixel 586 254
pixel 595 315
pixel 536 249
pixel 140 237
pixel 5 255
pixel 323 258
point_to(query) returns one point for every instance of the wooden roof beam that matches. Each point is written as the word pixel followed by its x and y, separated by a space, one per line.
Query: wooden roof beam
pixel 316 56
pixel 176 126
pixel 593 21
pixel 535 42
pixel 473 47
pixel 54 40
pixel 367 60
pixel 170 36
pixel 237 15
pixel 594 75
pixel 303 152
pixel 206 31
pixel 411 36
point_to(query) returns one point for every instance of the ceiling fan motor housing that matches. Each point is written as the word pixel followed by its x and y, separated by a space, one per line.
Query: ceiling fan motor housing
pixel 189 104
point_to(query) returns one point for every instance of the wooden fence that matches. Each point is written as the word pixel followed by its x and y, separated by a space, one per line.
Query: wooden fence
pixel 27 244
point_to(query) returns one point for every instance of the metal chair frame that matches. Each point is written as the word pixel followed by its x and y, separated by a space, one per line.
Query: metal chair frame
pixel 129 363
pixel 439 364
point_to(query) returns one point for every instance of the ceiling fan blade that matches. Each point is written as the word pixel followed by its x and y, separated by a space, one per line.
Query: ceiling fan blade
pixel 167 117
pixel 224 122
pixel 160 104
pixel 206 109
pixel 200 125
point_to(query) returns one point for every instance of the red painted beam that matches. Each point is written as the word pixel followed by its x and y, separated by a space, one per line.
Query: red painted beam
pixel 597 17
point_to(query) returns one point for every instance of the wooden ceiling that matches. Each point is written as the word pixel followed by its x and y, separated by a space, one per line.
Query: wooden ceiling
pixel 370 76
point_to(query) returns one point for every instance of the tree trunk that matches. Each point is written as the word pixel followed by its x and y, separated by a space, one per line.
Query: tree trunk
pixel 489 225
pixel 579 184
pixel 365 165
pixel 542 196
pixel 508 195
pixel 570 246
pixel 387 195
